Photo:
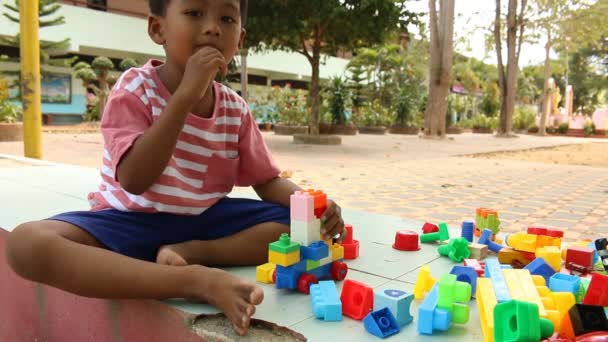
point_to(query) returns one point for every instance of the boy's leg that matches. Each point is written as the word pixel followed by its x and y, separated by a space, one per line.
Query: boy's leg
pixel 65 256
pixel 247 247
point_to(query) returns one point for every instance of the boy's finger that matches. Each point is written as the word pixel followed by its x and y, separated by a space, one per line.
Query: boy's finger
pixel 329 212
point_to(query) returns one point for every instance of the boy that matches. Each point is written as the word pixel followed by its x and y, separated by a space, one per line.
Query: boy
pixel 176 142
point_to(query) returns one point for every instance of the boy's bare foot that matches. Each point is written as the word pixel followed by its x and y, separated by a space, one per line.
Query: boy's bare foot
pixel 182 254
pixel 235 297
pixel 170 255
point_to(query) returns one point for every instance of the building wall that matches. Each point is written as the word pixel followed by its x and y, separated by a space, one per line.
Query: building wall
pixel 133 6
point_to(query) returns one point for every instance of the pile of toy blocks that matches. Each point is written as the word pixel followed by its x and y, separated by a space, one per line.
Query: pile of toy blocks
pixel 300 259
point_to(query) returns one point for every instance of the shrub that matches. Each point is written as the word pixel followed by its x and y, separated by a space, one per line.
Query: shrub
pixel 524 118
pixel 563 128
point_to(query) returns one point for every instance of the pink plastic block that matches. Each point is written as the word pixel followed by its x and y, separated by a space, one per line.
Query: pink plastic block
pixel 302 207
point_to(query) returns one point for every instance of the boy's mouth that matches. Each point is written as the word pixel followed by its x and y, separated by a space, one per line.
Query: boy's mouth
pixel 201 46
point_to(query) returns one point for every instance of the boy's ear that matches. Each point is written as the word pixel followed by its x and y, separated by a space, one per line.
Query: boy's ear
pixel 156 29
pixel 242 38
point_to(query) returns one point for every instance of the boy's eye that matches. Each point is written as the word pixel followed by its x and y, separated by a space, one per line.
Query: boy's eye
pixel 228 19
pixel 194 13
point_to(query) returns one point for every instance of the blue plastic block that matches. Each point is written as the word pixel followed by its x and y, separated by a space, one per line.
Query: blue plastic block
pixel 466 274
pixel 596 256
pixel 315 251
pixel 430 317
pixel 540 267
pixel 561 282
pixel 381 323
pixel 326 303
pixel 467 230
pixel 493 271
pixel 397 301
pixel 287 277
pixel 321 272
pixel 486 239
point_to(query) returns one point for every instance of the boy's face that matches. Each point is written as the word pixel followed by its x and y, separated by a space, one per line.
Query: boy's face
pixel 189 25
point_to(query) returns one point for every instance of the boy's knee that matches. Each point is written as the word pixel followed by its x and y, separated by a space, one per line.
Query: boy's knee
pixel 24 247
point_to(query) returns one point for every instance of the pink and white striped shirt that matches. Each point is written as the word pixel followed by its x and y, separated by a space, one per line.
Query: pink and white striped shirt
pixel 211 156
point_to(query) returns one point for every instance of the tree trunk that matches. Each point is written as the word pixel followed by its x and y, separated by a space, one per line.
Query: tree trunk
pixel 244 78
pixel 440 70
pixel 315 87
pixel 546 107
pixel 509 89
pixel 104 91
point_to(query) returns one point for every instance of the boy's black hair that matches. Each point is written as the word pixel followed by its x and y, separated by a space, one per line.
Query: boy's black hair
pixel 158 7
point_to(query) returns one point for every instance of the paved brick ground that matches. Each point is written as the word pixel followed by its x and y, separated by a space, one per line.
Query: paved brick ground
pixel 422 179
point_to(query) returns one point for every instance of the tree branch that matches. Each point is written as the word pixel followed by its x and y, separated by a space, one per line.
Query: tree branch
pixel 304 49
pixel 498 44
pixel 522 24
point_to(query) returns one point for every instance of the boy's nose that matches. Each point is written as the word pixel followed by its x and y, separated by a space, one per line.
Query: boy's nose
pixel 212 29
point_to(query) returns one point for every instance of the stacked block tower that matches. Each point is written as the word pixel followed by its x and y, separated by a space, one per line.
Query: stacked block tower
pixel 301 258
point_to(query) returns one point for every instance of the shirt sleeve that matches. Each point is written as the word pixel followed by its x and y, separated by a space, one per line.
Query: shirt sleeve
pixel 125 118
pixel 256 165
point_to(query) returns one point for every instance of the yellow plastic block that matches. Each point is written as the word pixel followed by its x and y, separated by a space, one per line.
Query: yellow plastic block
pixel 312 264
pixel 263 273
pixel 284 260
pixel 563 301
pixel 539 280
pixel 424 282
pixel 522 242
pixel 552 255
pixel 337 252
pixel 486 301
pixel 521 287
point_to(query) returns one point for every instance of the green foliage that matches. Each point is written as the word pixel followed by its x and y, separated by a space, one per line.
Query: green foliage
pixel 102 63
pixel 93 112
pixel 282 105
pixel 524 118
pixel 490 103
pixel 86 74
pixel 355 84
pixel 587 80
pixel 563 128
pixel 375 115
pixel 128 63
pixel 481 121
pixel 9 112
pixel 589 128
pixel 337 94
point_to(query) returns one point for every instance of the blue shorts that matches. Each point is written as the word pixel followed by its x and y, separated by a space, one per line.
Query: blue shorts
pixel 140 235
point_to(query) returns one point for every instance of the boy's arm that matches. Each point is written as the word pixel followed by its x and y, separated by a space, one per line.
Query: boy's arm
pixel 150 154
pixel 276 191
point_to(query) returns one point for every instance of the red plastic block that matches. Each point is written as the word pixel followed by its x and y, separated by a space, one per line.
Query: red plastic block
pixel 555 233
pixel 479 266
pixel 357 299
pixel 537 231
pixel 597 292
pixel 351 246
pixel 429 228
pixel 582 256
pixel 320 201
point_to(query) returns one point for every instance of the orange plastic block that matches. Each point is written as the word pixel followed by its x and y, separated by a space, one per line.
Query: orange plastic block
pixel 552 255
pixel 263 273
pixel 509 256
pixel 486 301
pixel 284 260
pixel 320 200
pixel 424 282
pixel 522 242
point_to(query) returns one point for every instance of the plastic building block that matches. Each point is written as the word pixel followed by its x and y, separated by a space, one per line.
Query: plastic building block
pixel 357 299
pixel 478 251
pixel 494 272
pixel 442 235
pixel 351 246
pixel 519 321
pixel 264 273
pixel 487 219
pixel 320 201
pixel 326 303
pixel 453 297
pixel 305 281
pixel 406 240
pixel 430 317
pixel 560 282
pixel 468 228
pixel 509 256
pixel 338 270
pixel 315 251
pixel 287 277
pixel 302 206
pixel 284 245
pixel 466 274
pixel 305 232
pixel 597 292
pixel 537 230
pixel 522 242
pixel 397 301
pixel 381 323
pixel 522 287
pixel 540 267
pixel 486 239
pixel 478 266
pixel 312 264
pixel 326 260
pixel 284 260
pixel 337 252
pixel 429 228
pixel 552 255
pixel 582 256
pixel 555 233
pixel 456 249
pixel 587 318
pixel 424 282
pixel 583 289
pixel 486 301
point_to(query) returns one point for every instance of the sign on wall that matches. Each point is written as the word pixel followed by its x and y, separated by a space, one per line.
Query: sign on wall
pixel 56 87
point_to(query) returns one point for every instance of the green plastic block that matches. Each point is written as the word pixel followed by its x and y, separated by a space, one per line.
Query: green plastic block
pixel 516 321
pixel 454 296
pixel 442 235
pixel 583 290
pixel 456 249
pixel 284 245
pixel 312 264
